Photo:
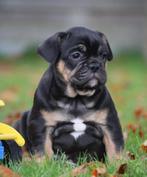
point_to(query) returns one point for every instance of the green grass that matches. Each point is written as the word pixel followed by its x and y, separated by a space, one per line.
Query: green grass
pixel 127 83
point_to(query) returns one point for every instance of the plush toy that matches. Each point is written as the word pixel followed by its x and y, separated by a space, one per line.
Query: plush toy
pixel 7 133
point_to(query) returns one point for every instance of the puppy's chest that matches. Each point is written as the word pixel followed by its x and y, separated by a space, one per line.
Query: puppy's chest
pixel 77 114
pixel 74 112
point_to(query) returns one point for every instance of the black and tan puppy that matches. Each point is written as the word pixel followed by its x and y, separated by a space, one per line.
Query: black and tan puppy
pixel 72 96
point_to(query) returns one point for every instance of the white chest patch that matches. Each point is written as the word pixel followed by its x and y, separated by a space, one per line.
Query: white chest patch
pixel 79 128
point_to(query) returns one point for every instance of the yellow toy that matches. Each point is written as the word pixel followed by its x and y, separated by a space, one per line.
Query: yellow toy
pixel 9 133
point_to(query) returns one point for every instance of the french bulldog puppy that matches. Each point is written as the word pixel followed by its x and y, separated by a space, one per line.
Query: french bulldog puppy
pixel 72 108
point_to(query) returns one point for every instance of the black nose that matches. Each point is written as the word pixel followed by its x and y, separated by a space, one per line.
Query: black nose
pixel 94 66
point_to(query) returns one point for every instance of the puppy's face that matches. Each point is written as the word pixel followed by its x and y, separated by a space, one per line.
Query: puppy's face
pixel 79 56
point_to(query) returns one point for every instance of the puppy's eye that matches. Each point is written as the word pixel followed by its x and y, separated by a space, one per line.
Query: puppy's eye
pixel 76 55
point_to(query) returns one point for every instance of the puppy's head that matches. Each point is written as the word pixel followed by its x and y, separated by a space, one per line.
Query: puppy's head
pixel 79 56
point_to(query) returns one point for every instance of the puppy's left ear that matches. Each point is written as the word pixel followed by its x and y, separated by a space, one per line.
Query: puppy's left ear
pixel 50 49
pixel 106 47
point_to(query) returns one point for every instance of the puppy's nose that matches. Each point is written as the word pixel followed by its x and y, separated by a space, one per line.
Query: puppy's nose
pixel 94 66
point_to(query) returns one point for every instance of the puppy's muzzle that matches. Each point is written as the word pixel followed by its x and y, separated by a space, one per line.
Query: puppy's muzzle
pixel 85 76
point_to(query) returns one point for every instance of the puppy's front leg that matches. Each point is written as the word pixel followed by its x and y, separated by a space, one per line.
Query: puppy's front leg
pixel 48 142
pixel 39 138
pixel 51 119
pixel 113 137
pixel 113 140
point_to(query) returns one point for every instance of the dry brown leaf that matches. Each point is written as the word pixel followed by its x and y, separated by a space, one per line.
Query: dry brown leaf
pixel 131 155
pixel 144 146
pixel 7 172
pixel 94 173
pixel 141 133
pixel 122 169
pixel 100 171
pixel 11 118
pixel 136 128
pixel 84 168
pixel 138 112
pixel 79 170
pixel 133 127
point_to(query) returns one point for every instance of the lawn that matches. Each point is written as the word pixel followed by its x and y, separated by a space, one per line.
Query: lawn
pixel 127 75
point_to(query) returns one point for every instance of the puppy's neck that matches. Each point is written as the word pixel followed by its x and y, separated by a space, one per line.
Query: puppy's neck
pixel 79 105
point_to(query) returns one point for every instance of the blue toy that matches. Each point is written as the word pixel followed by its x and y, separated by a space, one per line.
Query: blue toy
pixel 8 133
pixel 1 151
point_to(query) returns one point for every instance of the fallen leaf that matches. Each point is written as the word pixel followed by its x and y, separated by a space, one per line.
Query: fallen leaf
pixel 11 118
pixel 138 112
pixel 144 146
pixel 141 133
pixel 131 155
pixel 94 173
pixel 88 167
pixel 82 169
pixel 99 171
pixel 135 128
pixel 7 172
pixel 132 127
pixel 122 169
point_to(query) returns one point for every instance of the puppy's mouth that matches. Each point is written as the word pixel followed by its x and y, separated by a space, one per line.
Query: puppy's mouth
pixel 86 86
pixel 84 82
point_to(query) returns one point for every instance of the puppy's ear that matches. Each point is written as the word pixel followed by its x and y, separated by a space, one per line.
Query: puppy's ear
pixel 106 47
pixel 50 49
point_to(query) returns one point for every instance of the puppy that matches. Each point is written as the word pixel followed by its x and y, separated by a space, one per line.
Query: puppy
pixel 73 89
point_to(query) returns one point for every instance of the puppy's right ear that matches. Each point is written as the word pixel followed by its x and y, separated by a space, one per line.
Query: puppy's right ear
pixel 50 49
